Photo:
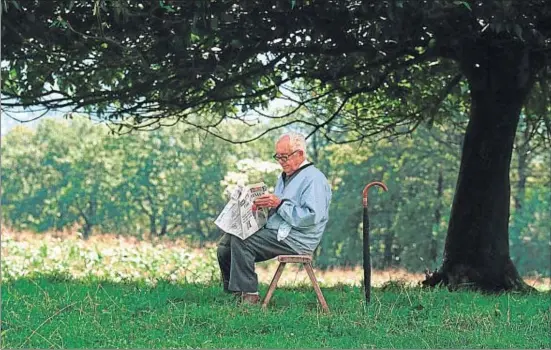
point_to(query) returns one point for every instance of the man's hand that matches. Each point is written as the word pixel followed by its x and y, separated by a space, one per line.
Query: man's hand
pixel 267 201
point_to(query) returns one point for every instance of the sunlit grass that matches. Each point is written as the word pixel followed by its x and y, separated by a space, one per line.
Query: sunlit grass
pixel 68 314
pixel 115 292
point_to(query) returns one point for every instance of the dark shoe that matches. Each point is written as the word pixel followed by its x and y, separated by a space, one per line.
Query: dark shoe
pixel 225 284
pixel 248 298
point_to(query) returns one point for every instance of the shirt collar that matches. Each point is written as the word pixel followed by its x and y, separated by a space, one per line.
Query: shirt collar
pixel 303 165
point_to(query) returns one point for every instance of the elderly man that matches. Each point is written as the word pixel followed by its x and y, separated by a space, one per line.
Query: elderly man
pixel 298 213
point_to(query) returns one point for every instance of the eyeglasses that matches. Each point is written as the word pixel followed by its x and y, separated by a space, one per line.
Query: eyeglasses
pixel 283 157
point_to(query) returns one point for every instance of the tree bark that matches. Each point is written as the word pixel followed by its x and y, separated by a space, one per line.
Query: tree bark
pixel 153 225
pixel 522 167
pixel 164 225
pixel 433 246
pixel 86 228
pixel 476 252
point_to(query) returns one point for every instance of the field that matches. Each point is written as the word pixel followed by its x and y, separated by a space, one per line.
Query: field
pixel 111 292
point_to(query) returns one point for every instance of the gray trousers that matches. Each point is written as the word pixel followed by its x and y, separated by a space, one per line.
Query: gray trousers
pixel 237 257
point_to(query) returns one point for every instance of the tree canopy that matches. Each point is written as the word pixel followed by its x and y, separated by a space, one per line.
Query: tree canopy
pixel 154 60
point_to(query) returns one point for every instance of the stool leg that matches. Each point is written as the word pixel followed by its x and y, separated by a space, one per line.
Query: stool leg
pixel 310 271
pixel 273 285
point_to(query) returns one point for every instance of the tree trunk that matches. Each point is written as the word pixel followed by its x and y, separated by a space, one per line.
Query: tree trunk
pixel 88 219
pixel 388 257
pixel 153 225
pixel 522 167
pixel 164 226
pixel 433 247
pixel 521 183
pixel 476 253
pixel 86 230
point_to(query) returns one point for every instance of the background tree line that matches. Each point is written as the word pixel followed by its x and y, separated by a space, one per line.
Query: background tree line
pixel 72 174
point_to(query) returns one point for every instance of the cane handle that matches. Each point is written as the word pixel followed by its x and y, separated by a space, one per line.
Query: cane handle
pixel 371 184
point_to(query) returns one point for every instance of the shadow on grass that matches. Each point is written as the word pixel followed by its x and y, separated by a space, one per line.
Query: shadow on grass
pixel 178 293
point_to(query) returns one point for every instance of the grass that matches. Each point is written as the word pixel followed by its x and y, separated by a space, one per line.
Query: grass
pixel 58 313
pixel 116 292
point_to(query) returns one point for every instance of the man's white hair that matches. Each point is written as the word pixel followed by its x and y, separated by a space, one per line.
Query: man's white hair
pixel 297 141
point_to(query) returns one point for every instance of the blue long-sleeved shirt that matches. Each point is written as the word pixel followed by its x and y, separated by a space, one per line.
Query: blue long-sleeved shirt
pixel 305 196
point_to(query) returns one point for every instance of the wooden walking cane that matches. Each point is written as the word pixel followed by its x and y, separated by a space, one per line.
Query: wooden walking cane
pixel 367 253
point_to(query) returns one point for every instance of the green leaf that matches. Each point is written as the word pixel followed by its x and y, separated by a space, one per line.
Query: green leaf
pixel 166 7
pixel 194 37
pixel 13 74
pixel 16 4
pixel 464 3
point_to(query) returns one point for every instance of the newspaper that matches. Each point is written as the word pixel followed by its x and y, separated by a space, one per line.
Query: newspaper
pixel 238 217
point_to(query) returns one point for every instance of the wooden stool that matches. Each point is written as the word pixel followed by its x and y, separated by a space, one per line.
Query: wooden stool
pixel 305 260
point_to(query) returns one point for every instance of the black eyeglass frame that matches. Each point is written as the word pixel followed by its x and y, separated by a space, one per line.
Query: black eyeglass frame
pixel 284 157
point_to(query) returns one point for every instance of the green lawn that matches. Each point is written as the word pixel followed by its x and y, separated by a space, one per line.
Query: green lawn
pixel 47 313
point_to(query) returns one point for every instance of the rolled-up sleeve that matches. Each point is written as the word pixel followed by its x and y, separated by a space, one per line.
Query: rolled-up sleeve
pixel 310 208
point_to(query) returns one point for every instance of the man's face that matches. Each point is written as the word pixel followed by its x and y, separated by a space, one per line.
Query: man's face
pixel 288 159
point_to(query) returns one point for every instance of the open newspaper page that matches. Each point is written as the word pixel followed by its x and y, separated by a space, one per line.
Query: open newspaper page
pixel 229 219
pixel 238 217
pixel 260 215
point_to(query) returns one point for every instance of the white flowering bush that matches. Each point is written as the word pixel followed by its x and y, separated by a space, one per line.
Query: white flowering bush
pixel 250 171
pixel 113 259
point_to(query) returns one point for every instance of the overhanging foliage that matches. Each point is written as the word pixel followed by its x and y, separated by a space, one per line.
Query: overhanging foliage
pixel 384 64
